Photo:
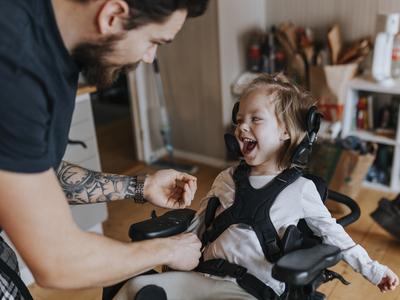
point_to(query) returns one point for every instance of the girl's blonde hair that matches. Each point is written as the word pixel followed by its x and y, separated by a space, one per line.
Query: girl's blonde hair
pixel 291 102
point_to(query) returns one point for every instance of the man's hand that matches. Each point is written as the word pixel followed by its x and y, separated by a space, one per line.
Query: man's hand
pixel 183 251
pixel 389 281
pixel 170 189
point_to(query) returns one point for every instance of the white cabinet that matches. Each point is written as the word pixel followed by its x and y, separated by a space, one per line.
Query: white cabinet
pixel 364 86
pixel 85 154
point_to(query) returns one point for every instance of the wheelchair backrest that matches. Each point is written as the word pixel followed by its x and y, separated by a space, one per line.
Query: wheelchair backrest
pixel 322 189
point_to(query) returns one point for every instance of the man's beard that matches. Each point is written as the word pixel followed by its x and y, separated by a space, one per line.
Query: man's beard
pixel 93 59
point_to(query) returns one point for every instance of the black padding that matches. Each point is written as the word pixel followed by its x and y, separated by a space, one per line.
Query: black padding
pixel 234 113
pixel 151 292
pixel 232 145
pixel 320 184
pixel 303 266
pixel 171 223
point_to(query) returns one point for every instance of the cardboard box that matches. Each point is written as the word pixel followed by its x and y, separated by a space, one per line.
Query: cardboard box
pixel 350 171
pixel 328 84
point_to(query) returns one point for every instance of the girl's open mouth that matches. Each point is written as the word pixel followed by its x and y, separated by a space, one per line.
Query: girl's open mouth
pixel 248 145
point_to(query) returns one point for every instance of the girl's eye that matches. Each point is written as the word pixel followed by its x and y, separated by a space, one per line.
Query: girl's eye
pixel 255 119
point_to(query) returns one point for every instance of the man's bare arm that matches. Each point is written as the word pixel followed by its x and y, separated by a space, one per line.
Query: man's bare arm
pixel 36 217
pixel 83 186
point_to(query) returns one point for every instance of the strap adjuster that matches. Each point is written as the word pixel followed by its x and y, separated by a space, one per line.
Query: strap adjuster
pixel 232 270
pixel 239 272
pixel 221 267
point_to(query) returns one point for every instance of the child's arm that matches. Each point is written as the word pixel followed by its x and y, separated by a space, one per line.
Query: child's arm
pixel 320 221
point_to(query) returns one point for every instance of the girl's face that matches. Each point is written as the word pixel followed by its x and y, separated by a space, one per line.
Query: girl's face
pixel 259 133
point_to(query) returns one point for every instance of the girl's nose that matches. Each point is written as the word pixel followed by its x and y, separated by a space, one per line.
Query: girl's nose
pixel 244 127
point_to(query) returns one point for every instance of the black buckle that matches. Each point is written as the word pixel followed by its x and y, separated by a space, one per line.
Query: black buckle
pixel 273 247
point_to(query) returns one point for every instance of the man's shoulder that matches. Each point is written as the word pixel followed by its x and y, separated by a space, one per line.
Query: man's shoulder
pixel 17 22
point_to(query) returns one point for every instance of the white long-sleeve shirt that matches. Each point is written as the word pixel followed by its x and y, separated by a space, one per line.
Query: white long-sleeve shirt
pixel 300 200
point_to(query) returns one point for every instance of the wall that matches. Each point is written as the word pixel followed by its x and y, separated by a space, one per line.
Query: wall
pixel 198 69
pixel 236 18
pixel 208 55
pixel 191 79
pixel 356 17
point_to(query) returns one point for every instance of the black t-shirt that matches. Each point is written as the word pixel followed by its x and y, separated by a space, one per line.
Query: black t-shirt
pixel 38 82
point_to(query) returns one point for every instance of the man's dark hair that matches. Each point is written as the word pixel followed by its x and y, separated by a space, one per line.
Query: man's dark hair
pixel 157 11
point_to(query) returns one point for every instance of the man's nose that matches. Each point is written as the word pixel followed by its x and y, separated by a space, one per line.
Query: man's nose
pixel 150 55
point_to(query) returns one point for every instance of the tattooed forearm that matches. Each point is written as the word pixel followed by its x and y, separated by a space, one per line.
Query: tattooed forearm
pixel 82 186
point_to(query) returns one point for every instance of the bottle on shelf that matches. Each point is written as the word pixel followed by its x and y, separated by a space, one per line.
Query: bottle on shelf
pixel 362 113
pixel 254 54
pixel 395 66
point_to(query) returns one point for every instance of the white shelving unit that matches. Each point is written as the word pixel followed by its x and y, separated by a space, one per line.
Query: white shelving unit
pixel 355 86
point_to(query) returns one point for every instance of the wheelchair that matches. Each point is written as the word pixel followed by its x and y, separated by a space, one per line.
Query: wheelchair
pixel 302 270
pixel 303 267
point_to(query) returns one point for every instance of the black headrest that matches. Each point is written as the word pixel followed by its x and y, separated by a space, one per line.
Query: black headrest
pixel 303 150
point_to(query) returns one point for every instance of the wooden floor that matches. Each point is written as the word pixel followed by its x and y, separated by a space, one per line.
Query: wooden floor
pixel 378 243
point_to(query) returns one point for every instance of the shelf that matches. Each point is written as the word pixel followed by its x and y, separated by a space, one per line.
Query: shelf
pixel 369 85
pixel 371 137
pixel 377 186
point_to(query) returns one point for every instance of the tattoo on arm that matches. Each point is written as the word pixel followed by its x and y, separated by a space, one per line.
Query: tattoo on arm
pixel 83 186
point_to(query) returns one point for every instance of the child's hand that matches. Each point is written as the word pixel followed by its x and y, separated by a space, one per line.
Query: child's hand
pixel 389 281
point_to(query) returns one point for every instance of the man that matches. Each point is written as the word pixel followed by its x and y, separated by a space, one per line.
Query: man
pixel 43 46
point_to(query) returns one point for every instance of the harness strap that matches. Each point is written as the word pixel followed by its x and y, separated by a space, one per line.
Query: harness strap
pixel 16 280
pixel 247 281
pixel 212 205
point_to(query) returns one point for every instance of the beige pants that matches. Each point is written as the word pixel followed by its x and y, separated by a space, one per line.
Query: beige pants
pixel 185 286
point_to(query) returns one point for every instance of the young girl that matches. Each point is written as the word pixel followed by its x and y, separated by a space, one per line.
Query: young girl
pixel 270 124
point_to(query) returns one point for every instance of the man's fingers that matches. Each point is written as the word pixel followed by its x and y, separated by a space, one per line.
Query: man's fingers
pixel 185 177
pixel 187 195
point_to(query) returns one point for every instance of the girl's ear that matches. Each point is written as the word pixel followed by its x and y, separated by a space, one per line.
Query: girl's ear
pixel 285 136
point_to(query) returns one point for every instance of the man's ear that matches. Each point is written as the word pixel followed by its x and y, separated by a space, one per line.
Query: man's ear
pixel 110 19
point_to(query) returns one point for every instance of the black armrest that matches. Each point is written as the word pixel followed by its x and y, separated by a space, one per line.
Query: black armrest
pixel 171 223
pixel 350 203
pixel 303 266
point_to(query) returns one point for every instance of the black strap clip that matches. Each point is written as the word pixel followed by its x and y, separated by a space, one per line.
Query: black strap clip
pixel 273 250
pixel 221 267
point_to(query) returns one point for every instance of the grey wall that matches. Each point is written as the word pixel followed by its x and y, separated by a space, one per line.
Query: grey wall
pixel 357 17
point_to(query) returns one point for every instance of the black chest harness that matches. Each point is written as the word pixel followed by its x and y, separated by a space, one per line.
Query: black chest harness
pixel 251 207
